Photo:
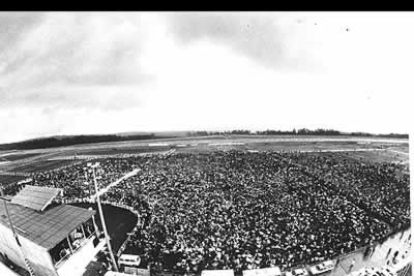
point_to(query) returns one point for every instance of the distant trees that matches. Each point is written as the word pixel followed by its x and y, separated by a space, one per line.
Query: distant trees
pixel 360 134
pixel 209 133
pixel 51 142
pixel 319 131
pixel 389 135
pixel 199 133
pixel 276 132
pixel 240 131
pixel 393 135
pixel 301 131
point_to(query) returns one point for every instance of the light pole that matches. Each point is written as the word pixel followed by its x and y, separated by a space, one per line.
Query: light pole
pixel 148 174
pixel 86 182
pixel 16 236
pixel 107 238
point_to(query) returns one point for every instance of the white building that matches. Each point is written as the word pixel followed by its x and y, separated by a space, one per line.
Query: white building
pixel 57 241
pixel 5 271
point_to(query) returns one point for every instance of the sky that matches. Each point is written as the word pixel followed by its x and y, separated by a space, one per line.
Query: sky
pixel 65 73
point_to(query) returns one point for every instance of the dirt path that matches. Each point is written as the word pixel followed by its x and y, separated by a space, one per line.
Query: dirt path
pixel 113 184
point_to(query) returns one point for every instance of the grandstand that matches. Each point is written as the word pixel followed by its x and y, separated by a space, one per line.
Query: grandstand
pixel 55 240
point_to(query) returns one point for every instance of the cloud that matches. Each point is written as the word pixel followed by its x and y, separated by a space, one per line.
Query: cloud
pixel 81 48
pixel 265 38
pixel 64 57
pixel 66 73
pixel 13 27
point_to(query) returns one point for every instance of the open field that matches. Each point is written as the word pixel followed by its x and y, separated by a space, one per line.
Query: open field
pixel 38 160
pixel 14 157
pixel 281 146
pixel 377 156
pixel 217 140
pixel 7 179
pixel 400 149
pixel 114 151
pixel 41 165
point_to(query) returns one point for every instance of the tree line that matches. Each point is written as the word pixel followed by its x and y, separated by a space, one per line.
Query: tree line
pixel 301 131
pixel 51 142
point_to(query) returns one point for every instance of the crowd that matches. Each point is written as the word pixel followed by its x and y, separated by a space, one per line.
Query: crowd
pixel 76 181
pixel 380 189
pixel 245 210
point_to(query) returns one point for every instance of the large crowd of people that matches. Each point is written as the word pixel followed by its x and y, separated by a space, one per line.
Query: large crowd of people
pixel 244 210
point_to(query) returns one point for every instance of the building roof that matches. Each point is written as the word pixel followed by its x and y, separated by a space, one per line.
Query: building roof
pixel 47 228
pixel 36 197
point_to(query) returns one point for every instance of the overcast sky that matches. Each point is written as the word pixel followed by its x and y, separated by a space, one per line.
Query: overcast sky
pixel 84 73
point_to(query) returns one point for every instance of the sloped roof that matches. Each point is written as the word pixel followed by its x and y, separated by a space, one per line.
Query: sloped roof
pixel 47 228
pixel 36 197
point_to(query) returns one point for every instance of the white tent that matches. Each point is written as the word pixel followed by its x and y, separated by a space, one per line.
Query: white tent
pixel 271 271
pixel 112 273
pixel 5 271
pixel 228 272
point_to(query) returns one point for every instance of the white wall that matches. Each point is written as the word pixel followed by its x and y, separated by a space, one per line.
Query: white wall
pixel 5 271
pixel 38 256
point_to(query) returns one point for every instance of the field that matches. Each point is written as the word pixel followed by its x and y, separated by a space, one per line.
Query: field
pixel 14 157
pixel 359 148
pixel 400 149
pixel 114 150
pixel 7 179
pixel 41 166
pixel 376 156
pixel 280 146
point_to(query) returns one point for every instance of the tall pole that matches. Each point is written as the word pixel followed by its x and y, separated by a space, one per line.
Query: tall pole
pixel 89 186
pixel 16 236
pixel 108 240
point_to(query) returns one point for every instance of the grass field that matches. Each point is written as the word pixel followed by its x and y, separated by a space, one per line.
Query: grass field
pixel 37 160
pixel 376 156
pixel 280 146
pixel 41 165
pixel 113 150
pixel 401 149
pixel 7 179
pixel 14 157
